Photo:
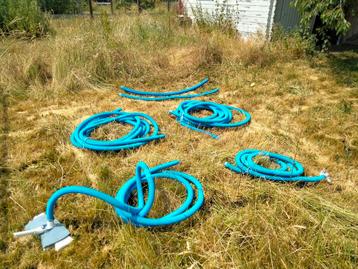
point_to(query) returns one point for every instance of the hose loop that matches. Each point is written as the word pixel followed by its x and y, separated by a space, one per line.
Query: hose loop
pixel 287 169
pixel 221 117
pixel 163 96
pixel 144 130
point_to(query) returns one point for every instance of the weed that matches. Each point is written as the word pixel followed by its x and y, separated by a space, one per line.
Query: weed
pixel 345 106
pixel 223 18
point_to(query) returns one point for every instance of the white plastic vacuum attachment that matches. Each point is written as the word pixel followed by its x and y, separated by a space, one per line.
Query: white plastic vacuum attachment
pixel 52 234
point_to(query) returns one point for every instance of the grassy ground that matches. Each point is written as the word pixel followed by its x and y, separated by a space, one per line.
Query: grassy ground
pixel 301 106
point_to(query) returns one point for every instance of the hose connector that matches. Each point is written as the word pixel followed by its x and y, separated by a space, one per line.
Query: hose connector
pixel 325 173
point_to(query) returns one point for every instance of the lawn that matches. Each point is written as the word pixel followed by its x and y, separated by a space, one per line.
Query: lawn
pixel 302 105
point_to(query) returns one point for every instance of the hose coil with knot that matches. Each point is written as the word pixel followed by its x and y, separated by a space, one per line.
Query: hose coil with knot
pixel 137 215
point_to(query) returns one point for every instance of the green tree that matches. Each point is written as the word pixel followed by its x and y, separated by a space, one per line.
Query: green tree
pixel 333 14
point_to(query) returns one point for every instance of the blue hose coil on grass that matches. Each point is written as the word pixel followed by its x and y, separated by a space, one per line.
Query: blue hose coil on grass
pixel 162 96
pixel 221 116
pixel 288 168
pixel 145 129
pixel 138 215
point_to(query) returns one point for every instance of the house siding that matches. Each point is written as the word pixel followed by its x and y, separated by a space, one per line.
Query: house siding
pixel 286 15
pixel 254 16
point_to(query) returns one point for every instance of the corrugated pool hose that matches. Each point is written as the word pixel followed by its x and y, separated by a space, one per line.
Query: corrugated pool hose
pixel 144 130
pixel 54 234
pixel 287 169
pixel 221 116
pixel 162 96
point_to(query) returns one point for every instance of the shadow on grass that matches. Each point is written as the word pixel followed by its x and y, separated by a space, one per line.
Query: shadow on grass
pixel 4 172
pixel 344 66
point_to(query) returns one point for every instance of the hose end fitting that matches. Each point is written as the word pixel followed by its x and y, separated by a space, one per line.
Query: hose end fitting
pixel 325 173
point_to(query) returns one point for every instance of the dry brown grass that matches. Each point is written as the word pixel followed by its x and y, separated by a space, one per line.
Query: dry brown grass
pixel 300 107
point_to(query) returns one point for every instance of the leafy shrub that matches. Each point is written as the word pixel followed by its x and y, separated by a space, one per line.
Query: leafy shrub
pixel 293 41
pixel 124 4
pixel 62 6
pixel 147 4
pixel 23 17
pixel 144 4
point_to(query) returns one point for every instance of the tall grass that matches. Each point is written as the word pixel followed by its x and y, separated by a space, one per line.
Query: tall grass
pixel 23 18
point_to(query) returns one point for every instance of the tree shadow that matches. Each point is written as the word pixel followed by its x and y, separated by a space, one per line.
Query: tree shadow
pixel 344 66
pixel 4 171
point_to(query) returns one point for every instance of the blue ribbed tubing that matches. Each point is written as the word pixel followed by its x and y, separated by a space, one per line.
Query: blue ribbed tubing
pixel 221 116
pixel 162 96
pixel 288 168
pixel 138 215
pixel 144 130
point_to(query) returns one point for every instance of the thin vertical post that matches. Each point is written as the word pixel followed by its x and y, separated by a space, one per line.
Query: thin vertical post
pixel 168 4
pixel 90 8
pixel 78 7
pixel 139 6
pixel 112 9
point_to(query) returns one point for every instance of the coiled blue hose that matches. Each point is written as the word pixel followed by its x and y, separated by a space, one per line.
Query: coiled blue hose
pixel 138 215
pixel 145 129
pixel 221 116
pixel 162 96
pixel 288 168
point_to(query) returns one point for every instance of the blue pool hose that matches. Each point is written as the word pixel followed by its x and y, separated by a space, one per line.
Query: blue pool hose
pixel 138 215
pixel 221 116
pixel 162 96
pixel 144 130
pixel 288 168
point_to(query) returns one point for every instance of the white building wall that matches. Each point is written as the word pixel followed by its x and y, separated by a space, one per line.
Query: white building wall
pixel 253 15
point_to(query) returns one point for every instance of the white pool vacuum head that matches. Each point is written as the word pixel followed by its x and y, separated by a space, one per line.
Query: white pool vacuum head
pixel 52 234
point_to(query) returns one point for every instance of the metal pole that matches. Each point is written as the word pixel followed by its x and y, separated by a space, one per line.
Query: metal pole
pixel 168 2
pixel 112 10
pixel 78 6
pixel 90 8
pixel 139 6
